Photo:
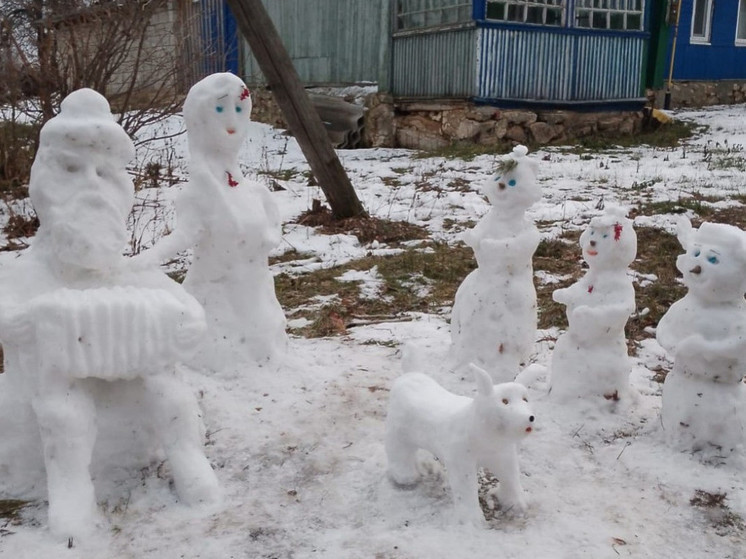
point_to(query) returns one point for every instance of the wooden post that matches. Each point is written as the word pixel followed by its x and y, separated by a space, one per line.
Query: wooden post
pixel 304 122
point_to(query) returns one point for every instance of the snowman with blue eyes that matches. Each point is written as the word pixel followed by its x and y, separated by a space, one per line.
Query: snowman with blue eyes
pixel 590 359
pixel 232 223
pixel 493 322
pixel 704 397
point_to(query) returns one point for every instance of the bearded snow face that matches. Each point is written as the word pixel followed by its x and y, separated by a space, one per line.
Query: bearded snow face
pixel 217 111
pixel 94 239
pixel 79 183
pixel 609 244
pixel 714 264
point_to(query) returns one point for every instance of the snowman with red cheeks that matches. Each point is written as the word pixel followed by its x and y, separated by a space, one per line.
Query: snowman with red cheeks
pixel 590 359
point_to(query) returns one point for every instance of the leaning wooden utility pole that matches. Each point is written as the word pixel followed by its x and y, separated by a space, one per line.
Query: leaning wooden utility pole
pixel 304 122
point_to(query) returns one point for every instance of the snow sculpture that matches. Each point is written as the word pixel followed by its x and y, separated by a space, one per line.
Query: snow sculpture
pixel 83 330
pixel 233 224
pixel 704 397
pixel 591 357
pixel 464 433
pixel 493 322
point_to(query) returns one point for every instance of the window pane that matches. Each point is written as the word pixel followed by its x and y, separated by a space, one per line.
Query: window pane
pixel 599 20
pixel 698 28
pixel 582 18
pixel 554 17
pixel 634 22
pixel 536 12
pixel 515 13
pixel 616 21
pixel 495 10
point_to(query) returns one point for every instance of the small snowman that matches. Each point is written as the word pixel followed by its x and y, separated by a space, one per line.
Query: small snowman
pixel 493 322
pixel 704 397
pixel 233 224
pixel 590 359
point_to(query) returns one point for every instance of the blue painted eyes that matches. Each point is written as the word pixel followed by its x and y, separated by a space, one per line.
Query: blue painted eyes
pixel 713 259
pixel 219 109
pixel 697 252
pixel 606 235
pixel 511 182
pixel 238 108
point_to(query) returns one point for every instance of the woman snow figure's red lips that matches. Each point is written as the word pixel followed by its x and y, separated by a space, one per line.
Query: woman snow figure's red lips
pixel 231 130
pixel 528 429
pixel 593 253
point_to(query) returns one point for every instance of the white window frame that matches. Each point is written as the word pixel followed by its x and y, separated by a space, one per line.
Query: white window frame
pixel 741 20
pixel 586 11
pixel 424 14
pixel 704 39
pixel 521 9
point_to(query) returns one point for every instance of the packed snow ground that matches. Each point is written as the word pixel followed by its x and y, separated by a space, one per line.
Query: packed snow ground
pixel 299 450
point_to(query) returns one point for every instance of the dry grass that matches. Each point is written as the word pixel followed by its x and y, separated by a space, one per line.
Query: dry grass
pixel 559 257
pixel 656 254
pixel 422 279
pixel 717 512
pixel 366 229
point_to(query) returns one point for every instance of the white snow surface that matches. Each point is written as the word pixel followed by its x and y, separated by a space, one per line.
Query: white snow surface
pixel 299 450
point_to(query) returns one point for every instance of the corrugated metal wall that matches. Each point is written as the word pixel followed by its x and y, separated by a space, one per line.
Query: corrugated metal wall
pixel 435 64
pixel 330 41
pixel 539 65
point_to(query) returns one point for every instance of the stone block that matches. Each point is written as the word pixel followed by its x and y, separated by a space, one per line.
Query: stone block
pixel 520 117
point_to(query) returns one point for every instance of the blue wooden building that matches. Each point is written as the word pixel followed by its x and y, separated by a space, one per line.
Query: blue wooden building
pixel 570 53
pixel 711 42
pixel 540 53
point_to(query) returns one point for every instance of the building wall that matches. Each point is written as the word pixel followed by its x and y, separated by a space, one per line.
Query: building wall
pixel 536 64
pixel 435 64
pixel 330 41
pixel 721 59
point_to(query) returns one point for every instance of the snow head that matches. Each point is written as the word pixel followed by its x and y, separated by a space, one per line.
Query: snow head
pixel 714 264
pixel 79 184
pixel 609 242
pixel 503 409
pixel 216 112
pixel 513 187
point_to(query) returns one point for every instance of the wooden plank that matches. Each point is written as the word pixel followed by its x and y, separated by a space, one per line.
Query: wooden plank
pixel 303 120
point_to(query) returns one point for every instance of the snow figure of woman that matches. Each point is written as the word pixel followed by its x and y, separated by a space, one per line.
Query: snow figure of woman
pixel 704 398
pixel 493 322
pixel 590 359
pixel 233 224
pixel 90 341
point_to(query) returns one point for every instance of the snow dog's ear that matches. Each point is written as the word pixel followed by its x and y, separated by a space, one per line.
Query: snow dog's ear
pixel 483 380
pixel 684 231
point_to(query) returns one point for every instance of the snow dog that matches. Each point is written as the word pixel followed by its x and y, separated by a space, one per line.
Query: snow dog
pixel 463 433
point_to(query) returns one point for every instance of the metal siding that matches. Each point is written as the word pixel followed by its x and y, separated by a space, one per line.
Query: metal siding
pixel 438 64
pixel 519 65
pixel 532 64
pixel 330 42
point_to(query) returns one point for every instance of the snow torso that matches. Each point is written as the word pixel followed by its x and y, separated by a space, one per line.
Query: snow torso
pixel 493 322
